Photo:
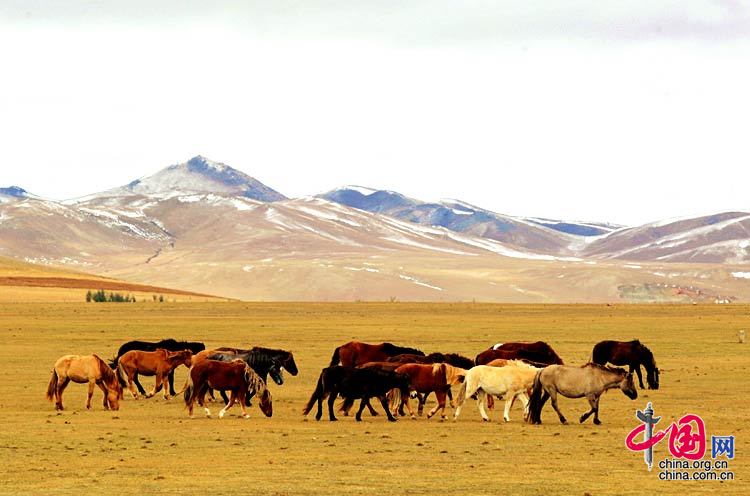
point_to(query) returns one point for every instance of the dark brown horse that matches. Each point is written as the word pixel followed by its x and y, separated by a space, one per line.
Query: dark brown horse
pixel 356 353
pixel 630 353
pixel 354 383
pixel 539 352
pixel 159 363
pixel 428 378
pixel 235 376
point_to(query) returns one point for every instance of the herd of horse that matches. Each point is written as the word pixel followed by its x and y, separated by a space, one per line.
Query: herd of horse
pixel 531 372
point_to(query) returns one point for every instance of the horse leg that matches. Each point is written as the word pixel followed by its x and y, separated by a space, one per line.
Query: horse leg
pixel 372 410
pixel 61 385
pixel 224 397
pixel 157 386
pixel 637 368
pixel 525 400
pixel 421 400
pixel 362 403
pixel 331 400
pixel 384 402
pixel 596 411
pixel 105 403
pixel 449 394
pixel 592 401
pixel 165 383
pixel 138 384
pixel 232 399
pixel 508 403
pixel 90 394
pixel 171 384
pixel 481 398
pixel 553 400
pixel 440 395
pixel 407 403
pixel 241 399
pixel 201 394
pixel 130 385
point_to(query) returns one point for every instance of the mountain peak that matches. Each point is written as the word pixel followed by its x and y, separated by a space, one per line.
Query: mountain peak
pixel 15 191
pixel 198 175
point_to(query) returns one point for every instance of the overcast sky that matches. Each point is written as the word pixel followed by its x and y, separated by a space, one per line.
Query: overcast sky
pixel 624 111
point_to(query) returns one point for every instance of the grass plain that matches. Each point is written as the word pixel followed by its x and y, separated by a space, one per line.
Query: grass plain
pixel 151 446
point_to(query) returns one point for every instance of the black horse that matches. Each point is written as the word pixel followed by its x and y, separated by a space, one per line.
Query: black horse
pixel 285 358
pixel 167 344
pixel 263 364
pixel 631 353
pixel 353 383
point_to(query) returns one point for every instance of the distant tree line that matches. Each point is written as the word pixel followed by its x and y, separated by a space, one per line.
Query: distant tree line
pixel 102 296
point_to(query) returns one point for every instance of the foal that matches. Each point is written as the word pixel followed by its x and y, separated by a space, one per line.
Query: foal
pixel 160 363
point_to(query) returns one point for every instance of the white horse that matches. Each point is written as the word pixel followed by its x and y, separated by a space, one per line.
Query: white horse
pixel 511 381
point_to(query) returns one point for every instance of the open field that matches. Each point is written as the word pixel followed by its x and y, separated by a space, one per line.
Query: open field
pixel 26 282
pixel 150 446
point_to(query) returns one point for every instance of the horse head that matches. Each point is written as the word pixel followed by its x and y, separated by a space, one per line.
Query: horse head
pixel 289 364
pixel 275 371
pixel 183 357
pixel 266 403
pixel 627 386
pixel 652 377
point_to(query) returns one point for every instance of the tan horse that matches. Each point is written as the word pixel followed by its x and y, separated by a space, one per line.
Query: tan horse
pixel 510 381
pixel 588 381
pixel 84 369
pixel 159 363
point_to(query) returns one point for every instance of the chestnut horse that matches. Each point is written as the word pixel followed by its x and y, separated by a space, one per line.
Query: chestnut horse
pixel 160 363
pixel 84 369
pixel 538 351
pixel 356 353
pixel 630 353
pixel 428 378
pixel 235 376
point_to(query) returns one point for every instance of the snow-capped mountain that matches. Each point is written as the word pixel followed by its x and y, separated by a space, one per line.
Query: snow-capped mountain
pixel 206 227
pixel 197 175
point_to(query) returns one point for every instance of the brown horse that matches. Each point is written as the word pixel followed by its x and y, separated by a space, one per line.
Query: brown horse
pixel 630 353
pixel 235 376
pixel 539 352
pixel 159 363
pixel 84 369
pixel 356 353
pixel 427 378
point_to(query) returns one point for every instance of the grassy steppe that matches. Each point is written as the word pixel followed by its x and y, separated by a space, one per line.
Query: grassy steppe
pixel 150 446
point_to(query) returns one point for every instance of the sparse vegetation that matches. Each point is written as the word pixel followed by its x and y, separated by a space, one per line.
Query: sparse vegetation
pixel 101 296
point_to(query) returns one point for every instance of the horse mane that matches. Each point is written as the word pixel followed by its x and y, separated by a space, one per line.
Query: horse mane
pixel 106 371
pixel 453 374
pixel 392 349
pixel 606 368
pixel 520 364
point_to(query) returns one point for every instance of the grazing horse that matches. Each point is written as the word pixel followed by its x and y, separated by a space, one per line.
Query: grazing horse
pixel 631 353
pixel 589 381
pixel 160 363
pixel 236 376
pixel 356 353
pixel 352 383
pixel 84 369
pixel 165 344
pixel 511 381
pixel 538 351
pixel 428 378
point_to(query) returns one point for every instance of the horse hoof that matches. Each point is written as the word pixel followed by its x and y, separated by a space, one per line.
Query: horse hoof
pixel 334 419
pixel 597 421
pixel 413 417
pixel 506 420
pixel 485 420
pixel 358 419
pixel 246 416
pixel 392 419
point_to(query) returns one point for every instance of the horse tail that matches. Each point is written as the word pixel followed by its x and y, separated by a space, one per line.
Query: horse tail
pixel 188 389
pixel 461 394
pixel 318 393
pixel 535 400
pixel 335 359
pixel 122 376
pixel 52 386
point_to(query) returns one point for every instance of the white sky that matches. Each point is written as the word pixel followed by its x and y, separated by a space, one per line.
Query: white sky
pixel 618 111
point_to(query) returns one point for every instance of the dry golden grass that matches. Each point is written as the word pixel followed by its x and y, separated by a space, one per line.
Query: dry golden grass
pixel 150 446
